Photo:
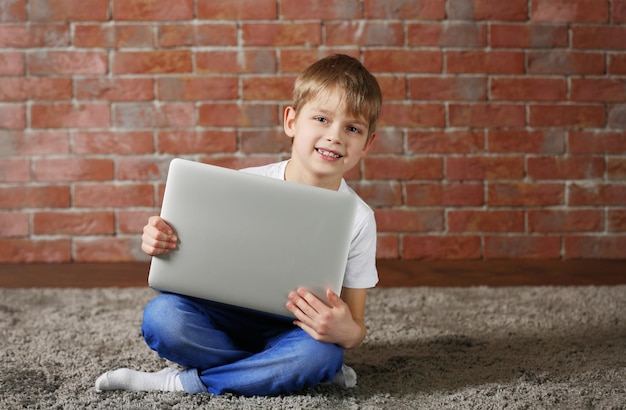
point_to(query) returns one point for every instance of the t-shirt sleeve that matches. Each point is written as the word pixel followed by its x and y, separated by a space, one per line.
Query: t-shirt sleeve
pixel 361 270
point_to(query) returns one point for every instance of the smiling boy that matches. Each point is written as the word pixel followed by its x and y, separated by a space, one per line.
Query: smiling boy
pixel 332 123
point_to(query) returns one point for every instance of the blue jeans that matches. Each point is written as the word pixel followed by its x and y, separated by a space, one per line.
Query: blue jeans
pixel 227 349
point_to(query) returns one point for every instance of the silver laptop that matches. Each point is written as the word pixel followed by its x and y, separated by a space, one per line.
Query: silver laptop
pixel 248 240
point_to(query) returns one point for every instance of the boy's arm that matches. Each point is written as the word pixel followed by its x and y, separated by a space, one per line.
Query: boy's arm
pixel 339 320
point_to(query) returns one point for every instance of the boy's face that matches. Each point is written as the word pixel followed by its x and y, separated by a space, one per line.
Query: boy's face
pixel 327 141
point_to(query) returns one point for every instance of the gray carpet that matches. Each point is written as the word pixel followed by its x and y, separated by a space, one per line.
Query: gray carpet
pixel 432 348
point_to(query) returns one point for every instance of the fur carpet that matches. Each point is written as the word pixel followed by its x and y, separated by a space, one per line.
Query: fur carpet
pixel 431 348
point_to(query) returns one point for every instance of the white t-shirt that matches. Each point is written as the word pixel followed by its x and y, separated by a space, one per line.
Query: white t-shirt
pixel 361 270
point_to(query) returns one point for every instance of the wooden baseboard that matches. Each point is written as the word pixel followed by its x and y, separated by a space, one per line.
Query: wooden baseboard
pixel 392 273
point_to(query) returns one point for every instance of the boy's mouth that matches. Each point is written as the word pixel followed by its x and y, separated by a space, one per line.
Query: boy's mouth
pixel 327 153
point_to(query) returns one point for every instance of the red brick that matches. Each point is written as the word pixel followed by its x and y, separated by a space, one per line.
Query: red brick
pixel 73 169
pixel 453 34
pixel 129 35
pixel 192 142
pixel 616 168
pixel 152 10
pixel 512 10
pixel 18 197
pixel 441 247
pixel 34 143
pixel 14 10
pixel 565 168
pixel 233 62
pixel 242 115
pixel 617 63
pixel 595 247
pixel 484 62
pixel 601 142
pixel 618 11
pixel 403 61
pixel 14 224
pixel 522 247
pixel 14 170
pixel 73 223
pixel 12 116
pixel 197 88
pixel 109 195
pixel 237 10
pixel 267 88
pixel 553 221
pixel 412 115
pixel 451 142
pixel 523 141
pixel 405 168
pixel 31 251
pixel 569 11
pixel 388 141
pixel 281 34
pixel 270 141
pixel 393 87
pixel 152 62
pixel 447 88
pixel 69 115
pixel 68 10
pixel 141 168
pixel 194 35
pixel 387 246
pixel 11 63
pixel 107 249
pixel 468 168
pixel 444 194
pixel 115 89
pixel 487 115
pixel 599 37
pixel 596 194
pixel 295 60
pixel 379 194
pixel 565 62
pixel 405 220
pixel 528 36
pixel 364 33
pixel 405 10
pixel 149 115
pixel 133 221
pixel 320 9
pixel 598 89
pixel 525 194
pixel 67 62
pixel 105 142
pixel 485 221
pixel 528 89
pixel 617 220
pixel 617 116
pixel 34 88
pixel 553 115
pixel 34 35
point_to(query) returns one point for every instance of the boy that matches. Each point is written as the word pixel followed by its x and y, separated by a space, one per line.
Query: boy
pixel 224 349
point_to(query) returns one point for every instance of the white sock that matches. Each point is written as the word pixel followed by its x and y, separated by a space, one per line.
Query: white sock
pixel 345 377
pixel 167 379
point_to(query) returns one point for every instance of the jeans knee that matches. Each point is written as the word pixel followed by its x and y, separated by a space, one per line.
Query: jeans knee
pixel 160 323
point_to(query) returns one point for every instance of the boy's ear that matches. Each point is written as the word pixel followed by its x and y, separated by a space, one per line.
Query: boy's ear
pixel 368 145
pixel 289 121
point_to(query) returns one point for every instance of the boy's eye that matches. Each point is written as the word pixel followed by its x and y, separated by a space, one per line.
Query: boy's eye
pixel 321 119
pixel 354 129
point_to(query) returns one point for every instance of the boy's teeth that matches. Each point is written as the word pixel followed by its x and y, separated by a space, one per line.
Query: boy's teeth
pixel 328 153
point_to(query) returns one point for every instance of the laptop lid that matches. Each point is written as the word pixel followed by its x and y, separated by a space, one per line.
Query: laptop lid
pixel 248 240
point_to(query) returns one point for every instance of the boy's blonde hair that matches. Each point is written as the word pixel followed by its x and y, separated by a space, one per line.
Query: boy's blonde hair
pixel 358 89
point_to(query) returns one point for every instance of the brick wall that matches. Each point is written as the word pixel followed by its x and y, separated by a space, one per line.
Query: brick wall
pixel 502 134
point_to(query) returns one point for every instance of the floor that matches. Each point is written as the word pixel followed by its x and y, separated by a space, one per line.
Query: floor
pixel 392 273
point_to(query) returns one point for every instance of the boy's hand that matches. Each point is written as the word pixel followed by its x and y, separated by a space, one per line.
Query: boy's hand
pixel 158 237
pixel 331 323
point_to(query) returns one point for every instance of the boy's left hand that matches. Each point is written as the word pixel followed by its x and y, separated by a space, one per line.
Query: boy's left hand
pixel 330 322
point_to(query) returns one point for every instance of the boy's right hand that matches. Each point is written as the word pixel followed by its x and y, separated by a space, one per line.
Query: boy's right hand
pixel 158 237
